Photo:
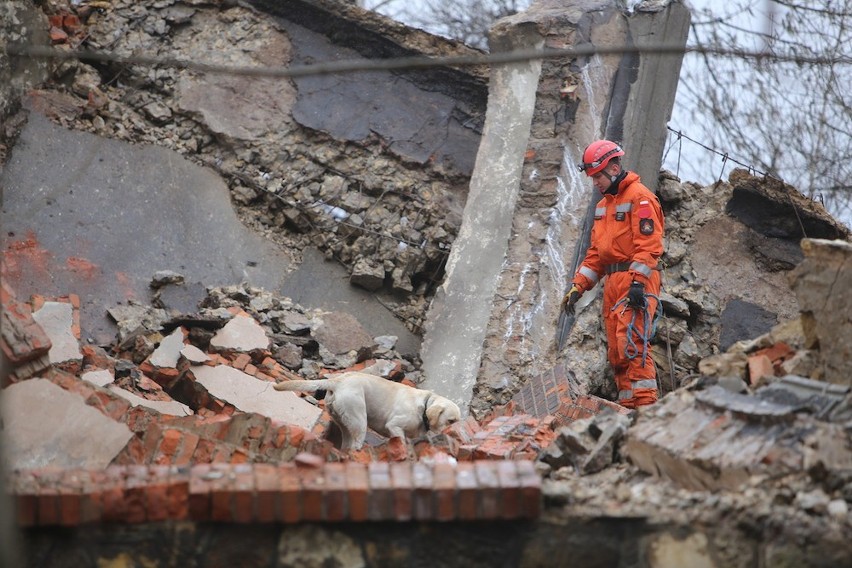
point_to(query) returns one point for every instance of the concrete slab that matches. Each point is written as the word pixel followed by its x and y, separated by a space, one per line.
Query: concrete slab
pixel 253 395
pixel 57 320
pixel 101 377
pixel 322 284
pixel 194 355
pixel 98 218
pixel 170 407
pixel 167 354
pixel 242 333
pixel 45 425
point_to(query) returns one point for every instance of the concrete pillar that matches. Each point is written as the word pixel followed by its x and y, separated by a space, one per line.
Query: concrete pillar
pixel 495 316
pixel 457 319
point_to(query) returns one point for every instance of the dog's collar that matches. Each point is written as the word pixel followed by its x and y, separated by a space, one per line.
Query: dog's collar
pixel 426 406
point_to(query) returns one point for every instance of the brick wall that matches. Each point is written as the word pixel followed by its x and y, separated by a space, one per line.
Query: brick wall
pixel 287 493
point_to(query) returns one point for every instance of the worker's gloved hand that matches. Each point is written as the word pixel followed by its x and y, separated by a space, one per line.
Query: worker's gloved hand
pixel 636 295
pixel 570 299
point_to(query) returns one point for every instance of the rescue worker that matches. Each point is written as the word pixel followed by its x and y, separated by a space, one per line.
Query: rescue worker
pixel 626 245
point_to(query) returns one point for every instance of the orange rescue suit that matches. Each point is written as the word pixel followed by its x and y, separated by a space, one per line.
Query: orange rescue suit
pixel 626 245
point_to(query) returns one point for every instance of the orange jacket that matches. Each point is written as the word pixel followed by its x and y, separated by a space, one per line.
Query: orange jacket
pixel 628 229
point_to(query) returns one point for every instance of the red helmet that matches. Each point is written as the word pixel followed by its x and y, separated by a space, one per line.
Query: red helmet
pixel 597 155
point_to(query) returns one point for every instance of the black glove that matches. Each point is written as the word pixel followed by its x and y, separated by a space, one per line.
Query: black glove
pixel 571 298
pixel 636 295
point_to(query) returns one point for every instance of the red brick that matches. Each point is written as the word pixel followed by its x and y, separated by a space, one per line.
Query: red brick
pixel 111 485
pixel 759 366
pixel 26 510
pixel 403 490
pixel 187 449
pixel 266 492
pixel 250 370
pixel 489 487
pixel 381 492
pixel 152 438
pixel 90 499
pixel 510 490
pixel 777 353
pixel 296 436
pixel 133 453
pixel 199 493
pixel 238 456
pixel 203 453
pixel 444 485
pixel 134 494
pixel 290 502
pixel 530 486
pixel 589 403
pixel 69 499
pixel 313 482
pixel 358 484
pixel 466 488
pixel 221 454
pixel 241 361
pixel 169 443
pixel 157 493
pixel 221 492
pixel 243 494
pixel 304 459
pixel 335 492
pixel 421 475
pixel 48 505
pixel 397 449
pixel 178 495
pixel 165 378
pixel 138 419
pixel 261 376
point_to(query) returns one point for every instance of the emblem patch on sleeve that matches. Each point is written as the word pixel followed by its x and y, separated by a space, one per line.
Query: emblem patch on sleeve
pixel 646 226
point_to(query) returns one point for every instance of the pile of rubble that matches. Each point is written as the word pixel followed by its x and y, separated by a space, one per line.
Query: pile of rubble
pixel 754 429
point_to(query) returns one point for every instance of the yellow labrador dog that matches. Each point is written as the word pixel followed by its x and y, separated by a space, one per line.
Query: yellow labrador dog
pixel 357 400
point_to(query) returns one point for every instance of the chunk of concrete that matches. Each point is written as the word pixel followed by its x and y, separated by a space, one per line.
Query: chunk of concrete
pixel 45 425
pixel 242 333
pixel 194 355
pixel 340 333
pixel 101 377
pixel 253 395
pixel 825 304
pixel 57 320
pixel 170 407
pixel 167 354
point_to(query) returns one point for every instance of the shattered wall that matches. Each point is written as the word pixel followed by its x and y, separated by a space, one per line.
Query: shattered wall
pixel 325 161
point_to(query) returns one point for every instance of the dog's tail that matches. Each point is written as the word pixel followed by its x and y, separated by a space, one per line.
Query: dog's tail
pixel 306 386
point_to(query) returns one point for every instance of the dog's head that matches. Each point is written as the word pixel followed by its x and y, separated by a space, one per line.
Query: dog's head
pixel 441 412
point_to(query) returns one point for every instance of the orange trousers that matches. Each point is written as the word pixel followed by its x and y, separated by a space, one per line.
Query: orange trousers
pixel 635 375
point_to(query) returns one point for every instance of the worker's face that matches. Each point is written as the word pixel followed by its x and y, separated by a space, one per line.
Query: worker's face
pixel 603 179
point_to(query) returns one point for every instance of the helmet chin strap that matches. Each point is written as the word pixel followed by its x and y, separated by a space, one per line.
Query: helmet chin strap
pixel 614 181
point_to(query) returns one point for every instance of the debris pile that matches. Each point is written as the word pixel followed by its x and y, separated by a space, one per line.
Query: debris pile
pixel 756 423
pixel 761 436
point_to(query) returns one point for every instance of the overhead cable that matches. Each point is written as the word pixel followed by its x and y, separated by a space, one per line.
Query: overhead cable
pixel 408 63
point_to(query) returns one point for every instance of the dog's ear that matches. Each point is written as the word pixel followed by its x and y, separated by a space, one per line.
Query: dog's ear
pixel 433 415
pixel 441 414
